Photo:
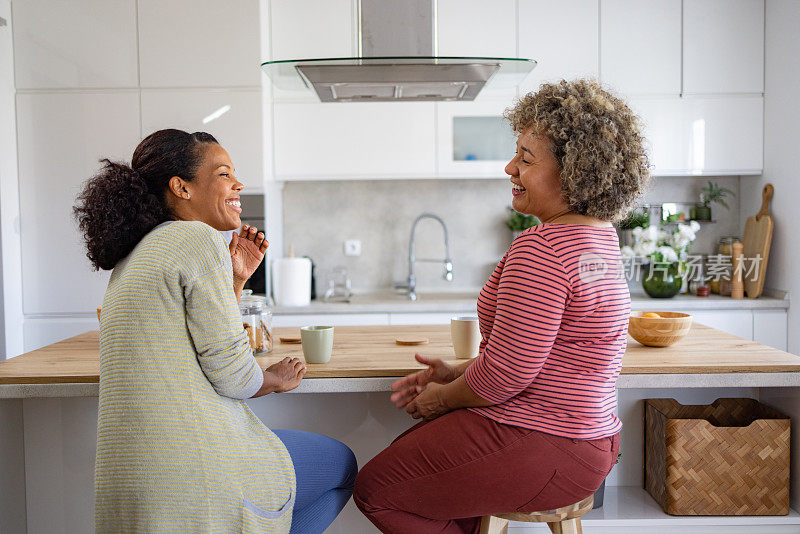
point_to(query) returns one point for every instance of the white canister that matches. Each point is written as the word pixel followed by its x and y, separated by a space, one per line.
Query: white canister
pixel 291 281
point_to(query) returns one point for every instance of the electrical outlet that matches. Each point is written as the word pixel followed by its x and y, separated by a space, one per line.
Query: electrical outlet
pixel 352 247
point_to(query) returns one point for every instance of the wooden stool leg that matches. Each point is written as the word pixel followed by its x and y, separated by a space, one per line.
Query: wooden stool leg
pixel 568 526
pixel 493 525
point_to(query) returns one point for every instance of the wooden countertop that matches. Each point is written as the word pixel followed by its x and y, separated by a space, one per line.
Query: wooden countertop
pixel 370 351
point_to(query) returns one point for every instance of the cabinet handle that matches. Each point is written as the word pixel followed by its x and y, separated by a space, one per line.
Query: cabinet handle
pixel 2 22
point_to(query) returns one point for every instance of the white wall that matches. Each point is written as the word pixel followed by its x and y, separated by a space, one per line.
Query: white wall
pixel 781 163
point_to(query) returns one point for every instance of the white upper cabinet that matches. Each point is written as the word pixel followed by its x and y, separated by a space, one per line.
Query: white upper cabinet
pixel 61 138
pixel 703 135
pixel 477 28
pixel 480 29
pixel 315 141
pixel 725 134
pixel 662 121
pixel 232 116
pixel 203 44
pixel 640 46
pixel 562 36
pixel 723 46
pixel 87 44
pixel 474 140
pixel 302 29
pixel 653 53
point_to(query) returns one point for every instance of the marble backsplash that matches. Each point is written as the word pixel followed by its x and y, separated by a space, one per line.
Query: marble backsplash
pixel 320 216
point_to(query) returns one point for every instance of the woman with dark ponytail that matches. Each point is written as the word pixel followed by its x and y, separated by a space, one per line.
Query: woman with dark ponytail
pixel 178 450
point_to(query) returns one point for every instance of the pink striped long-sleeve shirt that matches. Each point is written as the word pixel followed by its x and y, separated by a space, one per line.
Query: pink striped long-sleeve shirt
pixel 554 323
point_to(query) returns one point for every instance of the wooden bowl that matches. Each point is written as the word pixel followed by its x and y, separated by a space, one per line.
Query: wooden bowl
pixel 670 328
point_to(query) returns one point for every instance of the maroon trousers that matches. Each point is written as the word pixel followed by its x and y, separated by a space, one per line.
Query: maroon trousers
pixel 441 476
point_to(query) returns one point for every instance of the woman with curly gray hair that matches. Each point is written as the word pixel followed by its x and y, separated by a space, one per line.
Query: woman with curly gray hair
pixel 529 424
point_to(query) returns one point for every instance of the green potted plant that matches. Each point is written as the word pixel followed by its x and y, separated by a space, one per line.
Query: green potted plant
pixel 636 218
pixel 665 252
pixel 710 194
pixel 519 222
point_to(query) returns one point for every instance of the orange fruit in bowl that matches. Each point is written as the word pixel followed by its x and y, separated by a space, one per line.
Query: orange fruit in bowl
pixel 651 315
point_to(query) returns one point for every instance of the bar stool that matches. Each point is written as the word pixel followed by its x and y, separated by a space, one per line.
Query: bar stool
pixel 564 520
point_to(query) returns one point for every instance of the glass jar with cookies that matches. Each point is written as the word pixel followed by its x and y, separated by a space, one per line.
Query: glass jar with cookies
pixel 257 321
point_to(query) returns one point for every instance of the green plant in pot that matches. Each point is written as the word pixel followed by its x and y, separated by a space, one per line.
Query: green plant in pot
pixel 519 222
pixel 710 194
pixel 664 255
pixel 635 219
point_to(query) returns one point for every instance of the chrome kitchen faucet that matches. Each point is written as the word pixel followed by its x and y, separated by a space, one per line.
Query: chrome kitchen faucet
pixel 411 282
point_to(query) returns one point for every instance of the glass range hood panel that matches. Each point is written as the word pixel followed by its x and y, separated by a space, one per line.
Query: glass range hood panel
pixel 401 78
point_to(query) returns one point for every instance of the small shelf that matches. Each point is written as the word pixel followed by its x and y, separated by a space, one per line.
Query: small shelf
pixel 688 221
pixel 631 506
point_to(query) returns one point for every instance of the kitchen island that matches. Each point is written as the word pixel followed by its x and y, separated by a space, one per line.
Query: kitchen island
pixel 49 411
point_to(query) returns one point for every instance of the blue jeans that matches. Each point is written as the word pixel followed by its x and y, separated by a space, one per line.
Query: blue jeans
pixel 326 471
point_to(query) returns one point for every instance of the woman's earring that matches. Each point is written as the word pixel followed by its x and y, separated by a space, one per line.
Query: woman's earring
pixel 188 196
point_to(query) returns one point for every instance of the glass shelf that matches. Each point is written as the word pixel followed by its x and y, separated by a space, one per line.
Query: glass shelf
pixel 665 210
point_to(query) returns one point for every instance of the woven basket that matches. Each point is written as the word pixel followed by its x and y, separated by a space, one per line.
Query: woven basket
pixel 727 458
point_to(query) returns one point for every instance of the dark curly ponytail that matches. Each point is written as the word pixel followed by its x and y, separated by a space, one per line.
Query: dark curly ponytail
pixel 121 204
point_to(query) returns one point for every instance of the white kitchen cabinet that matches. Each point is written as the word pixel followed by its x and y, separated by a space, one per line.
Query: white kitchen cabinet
pixel 331 319
pixel 477 28
pixel 473 139
pixel 713 136
pixel 354 140
pixel 203 44
pixel 662 122
pixel 640 46
pixel 561 36
pixel 61 137
pixel 232 116
pixel 421 318
pixel 302 29
pixel 723 46
pixel 770 327
pixel 725 134
pixel 39 332
pixel 736 322
pixel 84 44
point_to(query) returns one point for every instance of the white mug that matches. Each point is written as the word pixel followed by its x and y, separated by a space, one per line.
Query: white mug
pixel 466 336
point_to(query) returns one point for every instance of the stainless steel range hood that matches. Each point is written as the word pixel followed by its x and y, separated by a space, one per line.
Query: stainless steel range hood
pixel 398 62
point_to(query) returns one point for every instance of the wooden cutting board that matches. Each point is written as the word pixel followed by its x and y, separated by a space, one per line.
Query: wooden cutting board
pixel 756 240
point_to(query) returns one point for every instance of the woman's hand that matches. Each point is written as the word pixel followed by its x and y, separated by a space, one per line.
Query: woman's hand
pixel 407 388
pixel 429 404
pixel 247 252
pixel 284 375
